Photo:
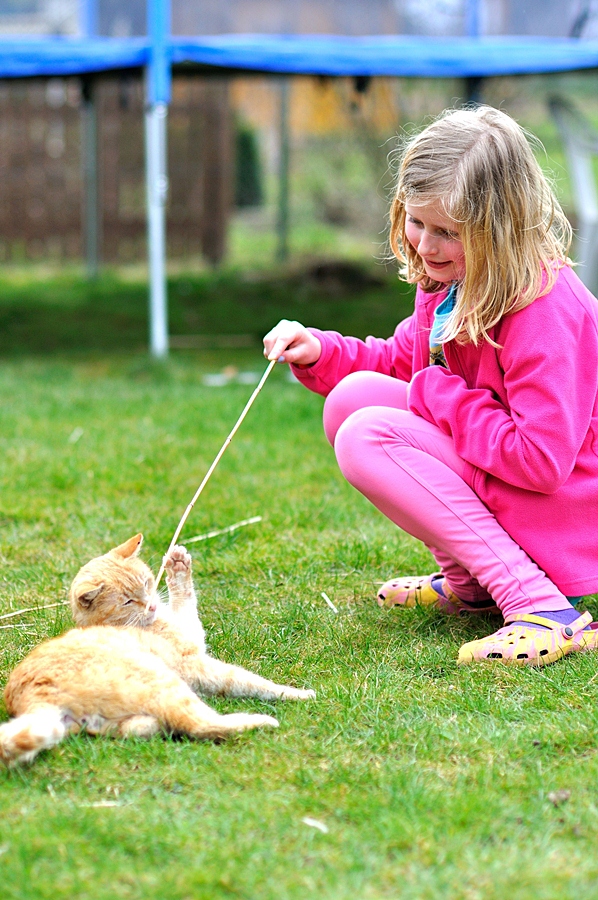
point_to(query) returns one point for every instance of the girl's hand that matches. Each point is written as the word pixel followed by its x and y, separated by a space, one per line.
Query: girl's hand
pixel 292 343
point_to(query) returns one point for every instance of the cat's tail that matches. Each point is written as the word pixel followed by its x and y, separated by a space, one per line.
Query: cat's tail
pixel 23 738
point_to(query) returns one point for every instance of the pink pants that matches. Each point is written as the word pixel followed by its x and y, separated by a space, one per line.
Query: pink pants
pixel 411 472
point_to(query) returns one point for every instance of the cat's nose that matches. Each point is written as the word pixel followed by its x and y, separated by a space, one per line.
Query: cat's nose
pixel 152 606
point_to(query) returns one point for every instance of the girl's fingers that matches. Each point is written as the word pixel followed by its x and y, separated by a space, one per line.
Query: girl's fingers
pixel 284 337
pixel 282 343
pixel 279 346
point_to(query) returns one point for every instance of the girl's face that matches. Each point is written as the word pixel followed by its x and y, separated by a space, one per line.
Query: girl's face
pixel 435 238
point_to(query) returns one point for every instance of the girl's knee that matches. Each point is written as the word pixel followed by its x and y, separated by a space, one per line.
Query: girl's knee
pixel 348 396
pixel 371 437
pixel 357 391
pixel 356 442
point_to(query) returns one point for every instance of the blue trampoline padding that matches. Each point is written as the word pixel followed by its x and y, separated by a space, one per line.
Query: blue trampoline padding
pixel 30 57
pixel 304 55
pixel 393 55
pixel 404 55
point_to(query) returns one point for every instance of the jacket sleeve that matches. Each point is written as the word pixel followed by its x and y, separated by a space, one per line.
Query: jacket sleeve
pixel 530 436
pixel 343 355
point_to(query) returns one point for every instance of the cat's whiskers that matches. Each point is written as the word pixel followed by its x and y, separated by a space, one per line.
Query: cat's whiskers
pixel 138 619
pixel 161 595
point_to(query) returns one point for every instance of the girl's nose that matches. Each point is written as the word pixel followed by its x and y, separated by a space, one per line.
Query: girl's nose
pixel 428 245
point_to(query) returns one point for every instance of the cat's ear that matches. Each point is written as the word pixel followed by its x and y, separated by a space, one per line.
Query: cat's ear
pixel 86 598
pixel 129 548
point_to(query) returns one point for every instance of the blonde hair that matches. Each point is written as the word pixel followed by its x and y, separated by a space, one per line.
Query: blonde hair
pixel 479 164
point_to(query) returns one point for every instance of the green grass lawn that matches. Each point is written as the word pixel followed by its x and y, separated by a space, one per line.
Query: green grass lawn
pixel 63 312
pixel 431 781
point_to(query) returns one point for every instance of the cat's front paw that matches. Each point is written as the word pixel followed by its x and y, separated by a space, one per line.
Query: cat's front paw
pixel 178 561
pixel 179 581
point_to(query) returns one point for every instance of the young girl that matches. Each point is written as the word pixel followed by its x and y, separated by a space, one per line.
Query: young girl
pixel 475 427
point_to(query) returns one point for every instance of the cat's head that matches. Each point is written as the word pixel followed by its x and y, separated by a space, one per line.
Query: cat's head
pixel 115 589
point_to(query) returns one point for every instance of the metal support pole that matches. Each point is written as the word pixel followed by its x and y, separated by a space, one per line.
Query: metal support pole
pixel 88 17
pixel 472 18
pixel 473 90
pixel 473 84
pixel 91 203
pixel 91 215
pixel 282 218
pixel 156 191
pixel 158 96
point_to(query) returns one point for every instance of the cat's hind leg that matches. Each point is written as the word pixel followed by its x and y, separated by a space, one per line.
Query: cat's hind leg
pixel 179 711
pixel 138 726
pixel 214 677
pixel 24 737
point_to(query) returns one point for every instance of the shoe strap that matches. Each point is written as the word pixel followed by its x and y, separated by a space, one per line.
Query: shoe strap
pixel 568 630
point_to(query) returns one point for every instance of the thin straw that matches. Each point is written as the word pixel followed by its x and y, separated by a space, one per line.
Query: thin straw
pixel 228 530
pixel 329 602
pixel 248 406
pixel 29 609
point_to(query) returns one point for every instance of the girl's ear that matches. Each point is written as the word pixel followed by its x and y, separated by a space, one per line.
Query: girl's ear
pixel 87 597
pixel 129 548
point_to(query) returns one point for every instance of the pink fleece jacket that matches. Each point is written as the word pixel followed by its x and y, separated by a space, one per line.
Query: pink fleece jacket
pixel 524 415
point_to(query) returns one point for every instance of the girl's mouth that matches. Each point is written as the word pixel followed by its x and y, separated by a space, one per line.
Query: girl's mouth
pixel 437 265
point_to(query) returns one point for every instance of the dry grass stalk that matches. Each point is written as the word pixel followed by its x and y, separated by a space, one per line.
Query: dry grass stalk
pixel 227 530
pixel 315 823
pixel 329 602
pixel 20 612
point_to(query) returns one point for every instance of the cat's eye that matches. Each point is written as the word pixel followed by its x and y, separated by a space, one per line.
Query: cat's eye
pixel 130 600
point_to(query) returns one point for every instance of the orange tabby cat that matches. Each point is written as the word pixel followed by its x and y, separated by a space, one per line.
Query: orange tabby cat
pixel 132 666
